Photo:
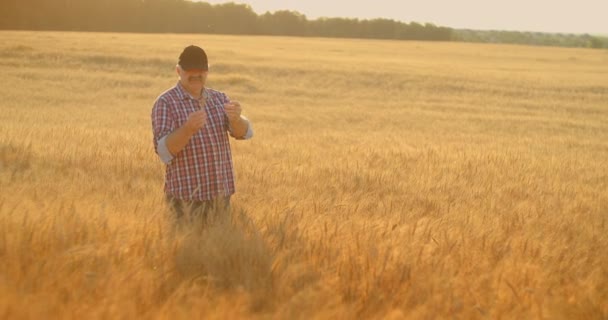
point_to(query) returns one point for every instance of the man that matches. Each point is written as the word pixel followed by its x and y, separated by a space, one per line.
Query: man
pixel 191 124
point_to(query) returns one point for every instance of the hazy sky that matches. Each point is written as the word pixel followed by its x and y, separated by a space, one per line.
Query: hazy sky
pixel 573 16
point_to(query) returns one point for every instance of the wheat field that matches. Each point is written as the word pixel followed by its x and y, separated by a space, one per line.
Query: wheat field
pixel 385 180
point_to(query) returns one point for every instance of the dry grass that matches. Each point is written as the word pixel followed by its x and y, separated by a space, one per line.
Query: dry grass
pixel 386 180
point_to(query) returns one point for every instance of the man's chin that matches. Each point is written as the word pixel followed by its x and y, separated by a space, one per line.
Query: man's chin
pixel 196 86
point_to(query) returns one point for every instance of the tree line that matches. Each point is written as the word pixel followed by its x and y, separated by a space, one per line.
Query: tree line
pixel 183 16
pixel 531 38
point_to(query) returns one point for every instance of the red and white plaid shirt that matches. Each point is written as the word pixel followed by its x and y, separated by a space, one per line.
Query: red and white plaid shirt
pixel 203 170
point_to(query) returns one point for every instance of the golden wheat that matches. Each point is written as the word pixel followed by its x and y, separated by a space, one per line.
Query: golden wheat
pixel 386 180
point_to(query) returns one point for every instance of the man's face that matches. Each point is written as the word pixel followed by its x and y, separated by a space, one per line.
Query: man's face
pixel 193 80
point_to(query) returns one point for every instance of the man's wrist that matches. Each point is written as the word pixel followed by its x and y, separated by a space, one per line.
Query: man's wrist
pixel 190 131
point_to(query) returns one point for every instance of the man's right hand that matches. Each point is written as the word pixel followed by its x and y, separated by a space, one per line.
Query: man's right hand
pixel 196 121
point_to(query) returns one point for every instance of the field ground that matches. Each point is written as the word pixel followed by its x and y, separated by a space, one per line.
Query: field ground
pixel 385 180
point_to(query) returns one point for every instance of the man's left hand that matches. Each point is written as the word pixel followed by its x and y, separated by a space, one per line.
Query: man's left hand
pixel 233 110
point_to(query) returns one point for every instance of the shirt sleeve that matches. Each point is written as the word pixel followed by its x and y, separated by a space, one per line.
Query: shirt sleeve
pixel 162 125
pixel 248 135
pixel 163 152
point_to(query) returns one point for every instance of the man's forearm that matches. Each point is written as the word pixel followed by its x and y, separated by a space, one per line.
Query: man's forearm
pixel 239 127
pixel 178 139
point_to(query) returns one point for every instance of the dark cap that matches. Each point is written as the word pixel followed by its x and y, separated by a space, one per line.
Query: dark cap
pixel 193 57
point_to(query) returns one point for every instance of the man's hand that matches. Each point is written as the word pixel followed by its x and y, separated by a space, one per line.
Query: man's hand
pixel 196 121
pixel 233 111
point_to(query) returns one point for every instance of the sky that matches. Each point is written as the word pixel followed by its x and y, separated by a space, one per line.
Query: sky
pixel 563 16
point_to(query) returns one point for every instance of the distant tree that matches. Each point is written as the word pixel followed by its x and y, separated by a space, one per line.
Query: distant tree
pixel 334 27
pixel 234 18
pixel 381 29
pixel 595 42
pixel 283 23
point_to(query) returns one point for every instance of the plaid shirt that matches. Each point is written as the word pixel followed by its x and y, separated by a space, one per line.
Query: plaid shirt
pixel 203 170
